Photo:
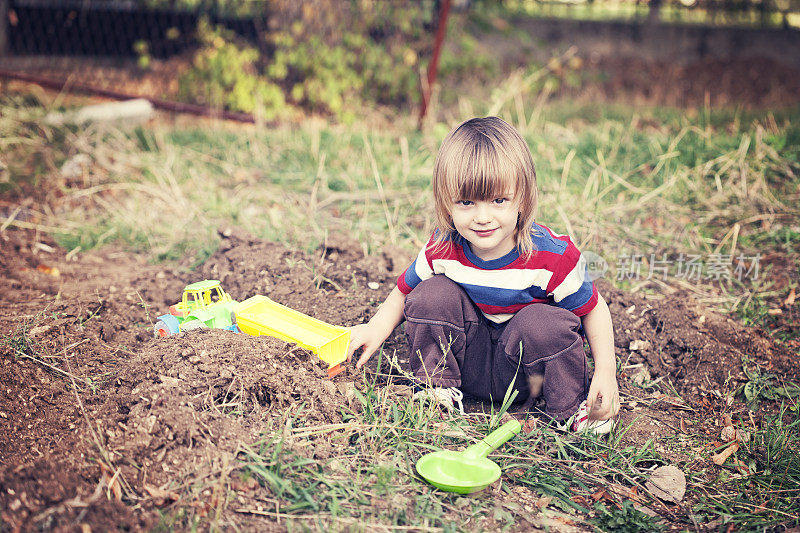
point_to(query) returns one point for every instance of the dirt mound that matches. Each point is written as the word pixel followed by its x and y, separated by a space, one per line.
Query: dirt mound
pixel 101 424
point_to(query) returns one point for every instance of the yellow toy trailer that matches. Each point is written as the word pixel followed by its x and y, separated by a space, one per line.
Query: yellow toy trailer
pixel 259 315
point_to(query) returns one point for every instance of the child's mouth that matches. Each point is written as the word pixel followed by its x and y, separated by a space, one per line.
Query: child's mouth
pixel 484 232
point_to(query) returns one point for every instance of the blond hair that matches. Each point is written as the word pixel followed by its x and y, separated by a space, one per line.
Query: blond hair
pixel 482 159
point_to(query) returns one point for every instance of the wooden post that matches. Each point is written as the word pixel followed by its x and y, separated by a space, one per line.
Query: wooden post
pixel 427 85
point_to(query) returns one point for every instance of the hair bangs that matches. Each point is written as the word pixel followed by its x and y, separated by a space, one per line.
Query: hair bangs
pixel 483 175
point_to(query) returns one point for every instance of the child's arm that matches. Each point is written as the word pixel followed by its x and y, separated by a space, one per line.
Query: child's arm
pixel 600 334
pixel 372 334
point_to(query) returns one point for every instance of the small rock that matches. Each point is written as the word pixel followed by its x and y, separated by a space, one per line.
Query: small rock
pixel 637 345
pixel 329 387
pixel 75 166
pixel 374 285
pixel 728 434
pixel 346 388
pixel 668 483
pixel 39 330
pixel 194 359
pixel 186 352
pixel 641 377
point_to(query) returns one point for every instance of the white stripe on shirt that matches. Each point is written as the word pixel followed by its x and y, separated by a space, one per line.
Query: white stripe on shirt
pixel 572 282
pixel 511 278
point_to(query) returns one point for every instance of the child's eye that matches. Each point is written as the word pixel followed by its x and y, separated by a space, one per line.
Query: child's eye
pixel 500 201
pixel 464 202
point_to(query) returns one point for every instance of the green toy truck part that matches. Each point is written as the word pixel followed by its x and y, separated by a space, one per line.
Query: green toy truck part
pixel 204 305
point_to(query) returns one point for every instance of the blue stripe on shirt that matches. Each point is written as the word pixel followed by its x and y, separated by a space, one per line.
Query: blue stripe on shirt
pixel 579 297
pixel 412 279
pixel 502 297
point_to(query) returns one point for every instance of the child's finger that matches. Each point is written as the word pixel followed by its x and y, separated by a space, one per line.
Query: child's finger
pixel 595 407
pixel 365 355
pixel 355 344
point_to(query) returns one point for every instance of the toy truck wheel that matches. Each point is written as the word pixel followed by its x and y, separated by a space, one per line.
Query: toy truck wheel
pixel 190 325
pixel 161 329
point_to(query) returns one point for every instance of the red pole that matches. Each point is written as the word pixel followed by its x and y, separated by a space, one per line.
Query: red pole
pixel 441 29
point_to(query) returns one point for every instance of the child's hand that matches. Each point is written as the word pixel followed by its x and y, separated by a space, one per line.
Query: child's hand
pixel 371 335
pixel 364 336
pixel 603 400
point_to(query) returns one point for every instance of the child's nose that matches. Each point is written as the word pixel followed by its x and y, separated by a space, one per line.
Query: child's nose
pixel 482 214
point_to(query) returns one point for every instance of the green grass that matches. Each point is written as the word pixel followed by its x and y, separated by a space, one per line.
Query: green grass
pixel 761 489
pixel 643 183
pixel 620 180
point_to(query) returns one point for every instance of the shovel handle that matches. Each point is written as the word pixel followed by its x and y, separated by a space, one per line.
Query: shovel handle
pixel 494 439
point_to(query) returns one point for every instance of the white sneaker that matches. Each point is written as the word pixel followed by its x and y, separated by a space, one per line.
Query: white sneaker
pixel 446 397
pixel 579 422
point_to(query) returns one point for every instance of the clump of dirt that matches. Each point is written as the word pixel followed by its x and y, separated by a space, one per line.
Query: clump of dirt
pixel 198 395
pixel 93 406
pixel 692 348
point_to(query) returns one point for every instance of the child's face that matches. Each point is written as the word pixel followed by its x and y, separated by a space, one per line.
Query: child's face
pixel 489 225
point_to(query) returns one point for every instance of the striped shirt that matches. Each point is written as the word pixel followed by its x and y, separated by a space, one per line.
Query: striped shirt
pixel 556 273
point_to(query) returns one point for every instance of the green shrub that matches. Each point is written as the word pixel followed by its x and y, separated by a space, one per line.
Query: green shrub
pixel 224 74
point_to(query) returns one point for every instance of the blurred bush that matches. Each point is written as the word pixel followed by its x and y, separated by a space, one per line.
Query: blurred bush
pixel 326 56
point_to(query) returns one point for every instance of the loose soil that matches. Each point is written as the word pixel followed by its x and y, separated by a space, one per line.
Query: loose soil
pixel 103 426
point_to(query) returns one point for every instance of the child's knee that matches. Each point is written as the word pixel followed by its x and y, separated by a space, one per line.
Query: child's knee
pixel 433 296
pixel 539 332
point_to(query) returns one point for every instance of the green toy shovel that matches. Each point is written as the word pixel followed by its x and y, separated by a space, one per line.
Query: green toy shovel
pixel 470 470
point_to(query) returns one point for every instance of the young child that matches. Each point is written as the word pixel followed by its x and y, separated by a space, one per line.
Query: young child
pixel 494 297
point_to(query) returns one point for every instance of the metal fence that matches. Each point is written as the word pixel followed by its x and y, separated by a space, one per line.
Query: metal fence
pixel 139 47
pixel 112 48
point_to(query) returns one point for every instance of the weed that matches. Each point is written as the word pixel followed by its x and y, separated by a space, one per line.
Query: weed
pixel 763 385
pixel 758 490
pixel 624 519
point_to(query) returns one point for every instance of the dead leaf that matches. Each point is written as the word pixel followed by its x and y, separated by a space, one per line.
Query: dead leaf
pixel 728 434
pixel 789 301
pixel 719 458
pixel 529 425
pixel 580 500
pixel 775 312
pixel 111 481
pixel 683 426
pixel 544 501
pixel 51 271
pixel 161 497
pixel 203 508
pixel 668 483
pixel 248 485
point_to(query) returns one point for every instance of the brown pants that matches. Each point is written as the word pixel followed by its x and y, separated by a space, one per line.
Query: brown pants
pixel 454 345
